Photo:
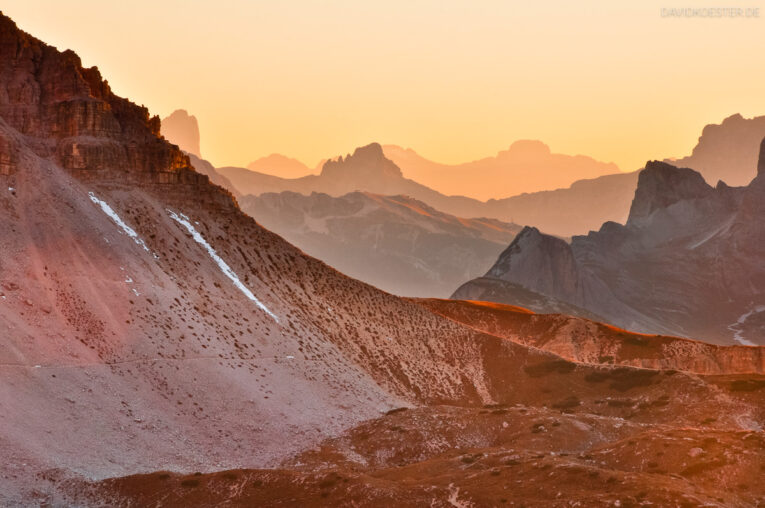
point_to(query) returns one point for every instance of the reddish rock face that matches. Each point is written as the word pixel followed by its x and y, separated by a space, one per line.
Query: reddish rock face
pixel 72 115
pixel 8 155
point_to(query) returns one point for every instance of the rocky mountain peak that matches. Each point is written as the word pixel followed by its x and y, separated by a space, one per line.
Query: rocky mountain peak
pixel 727 151
pixel 539 262
pixel 761 161
pixel 372 151
pixel 367 161
pixel 182 129
pixel 661 185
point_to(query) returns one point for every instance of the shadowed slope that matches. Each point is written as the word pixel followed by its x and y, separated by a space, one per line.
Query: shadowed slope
pixel 395 243
pixel 688 262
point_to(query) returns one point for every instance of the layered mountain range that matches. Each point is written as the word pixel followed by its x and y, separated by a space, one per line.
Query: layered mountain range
pixel 395 243
pixel 725 151
pixel 527 166
pixel 689 261
pixel 159 347
pixel 561 212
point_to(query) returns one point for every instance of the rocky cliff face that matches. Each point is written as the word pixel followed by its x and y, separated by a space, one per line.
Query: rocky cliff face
pixel 661 185
pixel 70 114
pixel 539 261
pixel 689 262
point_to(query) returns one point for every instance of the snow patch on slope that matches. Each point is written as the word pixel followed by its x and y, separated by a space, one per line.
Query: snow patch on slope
pixel 722 229
pixel 184 221
pixel 116 218
pixel 736 327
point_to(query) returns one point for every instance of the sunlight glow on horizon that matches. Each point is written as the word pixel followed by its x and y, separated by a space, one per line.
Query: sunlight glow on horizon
pixel 453 80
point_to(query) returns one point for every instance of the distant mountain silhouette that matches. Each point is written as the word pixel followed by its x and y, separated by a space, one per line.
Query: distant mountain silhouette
pixel 281 166
pixel 727 151
pixel 527 166
pixel 395 243
pixel 576 209
pixel 564 212
pixel 183 130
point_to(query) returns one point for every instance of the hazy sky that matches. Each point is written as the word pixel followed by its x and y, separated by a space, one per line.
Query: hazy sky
pixel 454 80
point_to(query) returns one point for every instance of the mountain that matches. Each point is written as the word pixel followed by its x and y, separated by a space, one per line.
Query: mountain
pixel 159 347
pixel 183 130
pixel 526 166
pixel 727 151
pixel 586 341
pixel 279 165
pixel 395 243
pixel 149 324
pixel 575 210
pixel 605 452
pixel 206 168
pixel 689 261
pixel 366 170
pixel 564 212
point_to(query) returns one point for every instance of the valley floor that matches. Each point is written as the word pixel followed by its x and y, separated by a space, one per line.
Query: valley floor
pixel 492 456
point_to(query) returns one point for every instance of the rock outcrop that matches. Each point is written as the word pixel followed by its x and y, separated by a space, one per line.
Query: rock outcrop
pixel 689 262
pixel 70 113
pixel 539 261
pixel 661 185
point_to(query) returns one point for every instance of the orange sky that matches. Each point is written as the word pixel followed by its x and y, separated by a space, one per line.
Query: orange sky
pixel 454 80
